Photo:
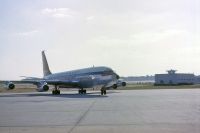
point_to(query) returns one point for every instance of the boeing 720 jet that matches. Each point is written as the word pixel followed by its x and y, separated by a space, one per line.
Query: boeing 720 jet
pixel 103 77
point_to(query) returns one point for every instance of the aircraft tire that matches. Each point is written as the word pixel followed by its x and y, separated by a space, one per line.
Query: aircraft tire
pixel 56 92
pixel 101 92
pixel 80 91
pixel 104 91
pixel 53 92
pixel 84 91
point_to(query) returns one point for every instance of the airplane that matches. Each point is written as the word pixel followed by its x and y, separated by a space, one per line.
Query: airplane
pixel 103 77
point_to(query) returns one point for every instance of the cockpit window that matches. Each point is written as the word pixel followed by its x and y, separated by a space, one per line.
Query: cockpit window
pixel 107 72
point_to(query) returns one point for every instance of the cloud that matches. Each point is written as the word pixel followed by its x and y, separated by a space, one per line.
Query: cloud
pixel 90 18
pixel 27 33
pixel 142 38
pixel 58 12
pixel 154 37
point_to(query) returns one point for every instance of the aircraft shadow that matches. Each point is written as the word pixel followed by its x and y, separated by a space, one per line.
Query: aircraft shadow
pixel 65 95
pixel 62 95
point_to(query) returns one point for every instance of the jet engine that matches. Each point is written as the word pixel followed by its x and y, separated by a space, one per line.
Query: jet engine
pixel 119 83
pixel 123 83
pixel 42 87
pixel 114 86
pixel 10 85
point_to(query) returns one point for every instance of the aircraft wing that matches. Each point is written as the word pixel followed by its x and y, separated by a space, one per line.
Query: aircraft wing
pixel 18 81
pixel 66 83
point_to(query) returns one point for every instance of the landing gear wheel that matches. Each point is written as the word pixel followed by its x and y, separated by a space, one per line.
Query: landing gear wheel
pixel 81 91
pixel 84 91
pixel 56 92
pixel 103 91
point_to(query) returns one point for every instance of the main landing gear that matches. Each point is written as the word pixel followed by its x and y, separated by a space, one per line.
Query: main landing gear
pixel 56 91
pixel 82 91
pixel 103 91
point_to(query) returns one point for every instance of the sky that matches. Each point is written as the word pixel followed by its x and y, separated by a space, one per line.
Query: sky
pixel 133 37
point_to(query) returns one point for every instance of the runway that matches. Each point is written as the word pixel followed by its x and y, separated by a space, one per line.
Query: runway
pixel 128 111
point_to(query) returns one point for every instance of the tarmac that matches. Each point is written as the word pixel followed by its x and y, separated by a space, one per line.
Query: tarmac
pixel 128 111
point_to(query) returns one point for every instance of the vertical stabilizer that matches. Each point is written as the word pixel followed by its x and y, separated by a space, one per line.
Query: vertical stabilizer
pixel 46 70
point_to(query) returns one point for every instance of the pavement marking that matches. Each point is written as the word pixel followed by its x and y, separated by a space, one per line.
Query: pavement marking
pixel 82 117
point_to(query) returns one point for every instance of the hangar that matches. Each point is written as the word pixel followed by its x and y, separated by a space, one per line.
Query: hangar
pixel 173 78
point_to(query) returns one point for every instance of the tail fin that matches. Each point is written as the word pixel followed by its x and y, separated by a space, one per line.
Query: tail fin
pixel 46 70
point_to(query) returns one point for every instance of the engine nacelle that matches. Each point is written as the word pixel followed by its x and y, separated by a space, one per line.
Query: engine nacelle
pixel 10 86
pixel 114 86
pixel 42 87
pixel 123 84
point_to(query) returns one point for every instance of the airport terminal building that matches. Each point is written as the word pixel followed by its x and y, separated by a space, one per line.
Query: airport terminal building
pixel 173 78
